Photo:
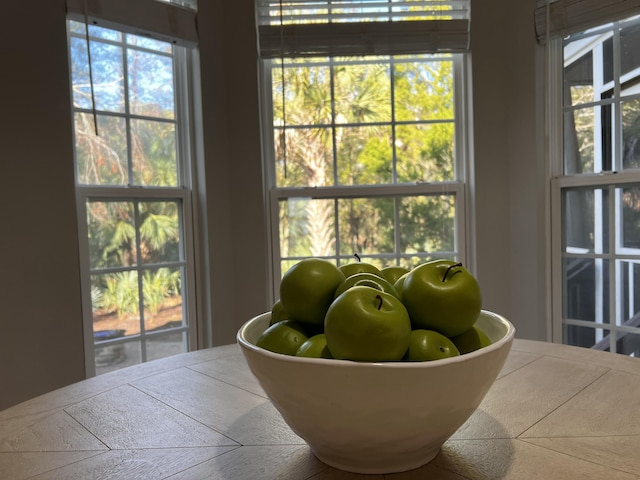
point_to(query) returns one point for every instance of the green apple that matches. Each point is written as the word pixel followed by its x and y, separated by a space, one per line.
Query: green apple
pixel 365 324
pixel 442 295
pixel 426 345
pixel 393 273
pixel 278 313
pixel 359 267
pixel 471 340
pixel 315 347
pixel 307 288
pixel 283 337
pixel 398 285
pixel 366 279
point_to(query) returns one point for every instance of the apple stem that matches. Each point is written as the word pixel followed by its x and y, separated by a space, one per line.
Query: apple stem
pixel 380 303
pixel 357 256
pixel 449 269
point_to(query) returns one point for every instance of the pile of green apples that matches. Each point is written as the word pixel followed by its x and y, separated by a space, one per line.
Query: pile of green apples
pixel 361 313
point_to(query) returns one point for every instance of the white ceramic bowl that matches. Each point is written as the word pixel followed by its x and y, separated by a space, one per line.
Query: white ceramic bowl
pixel 377 417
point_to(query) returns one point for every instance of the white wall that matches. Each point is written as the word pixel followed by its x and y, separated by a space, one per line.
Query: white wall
pixel 41 336
pixel 509 163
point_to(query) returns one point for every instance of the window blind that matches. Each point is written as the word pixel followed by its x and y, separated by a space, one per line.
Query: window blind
pixel 294 28
pixel 565 17
pixel 158 20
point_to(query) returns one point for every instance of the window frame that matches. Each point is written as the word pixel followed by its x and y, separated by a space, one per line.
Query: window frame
pixel 459 186
pixel 609 180
pixel 182 193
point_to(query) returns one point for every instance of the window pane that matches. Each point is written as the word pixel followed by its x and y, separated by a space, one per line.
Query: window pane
pixel 101 159
pixel 162 291
pixel 154 153
pixel 425 153
pixel 308 160
pixel 115 303
pixel 80 73
pixel 307 90
pixel 629 55
pixel 427 224
pixel 586 282
pixel 106 72
pixel 307 228
pixel 362 93
pixel 631 133
pixel 150 84
pixel 108 76
pixel 160 232
pixel 364 155
pixel 112 234
pixel 578 78
pixel 424 90
pixel 579 141
pixel 366 226
pixel 586 220
pixel 630 205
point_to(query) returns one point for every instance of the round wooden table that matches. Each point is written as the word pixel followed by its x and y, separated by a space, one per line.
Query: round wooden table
pixel 555 412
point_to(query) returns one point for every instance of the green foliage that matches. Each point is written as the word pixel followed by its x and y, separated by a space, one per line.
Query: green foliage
pixel 119 292
pixel 158 286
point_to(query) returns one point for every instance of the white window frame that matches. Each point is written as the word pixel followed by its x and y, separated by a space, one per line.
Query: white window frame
pixel 182 193
pixel 458 187
pixel 607 180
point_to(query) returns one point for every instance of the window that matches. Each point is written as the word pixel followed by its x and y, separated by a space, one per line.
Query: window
pixel 596 189
pixel 133 195
pixel 365 152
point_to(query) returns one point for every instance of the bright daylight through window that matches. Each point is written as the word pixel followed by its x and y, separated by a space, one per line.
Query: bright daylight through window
pixel 133 194
pixel 597 190
pixel 366 153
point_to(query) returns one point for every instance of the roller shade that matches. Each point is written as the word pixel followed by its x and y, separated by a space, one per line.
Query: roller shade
pixel 158 20
pixel 570 16
pixel 351 27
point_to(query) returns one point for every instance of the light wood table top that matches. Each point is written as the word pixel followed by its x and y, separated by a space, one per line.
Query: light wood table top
pixel 555 412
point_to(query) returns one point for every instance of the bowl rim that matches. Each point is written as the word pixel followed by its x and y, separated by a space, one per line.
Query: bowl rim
pixel 498 344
